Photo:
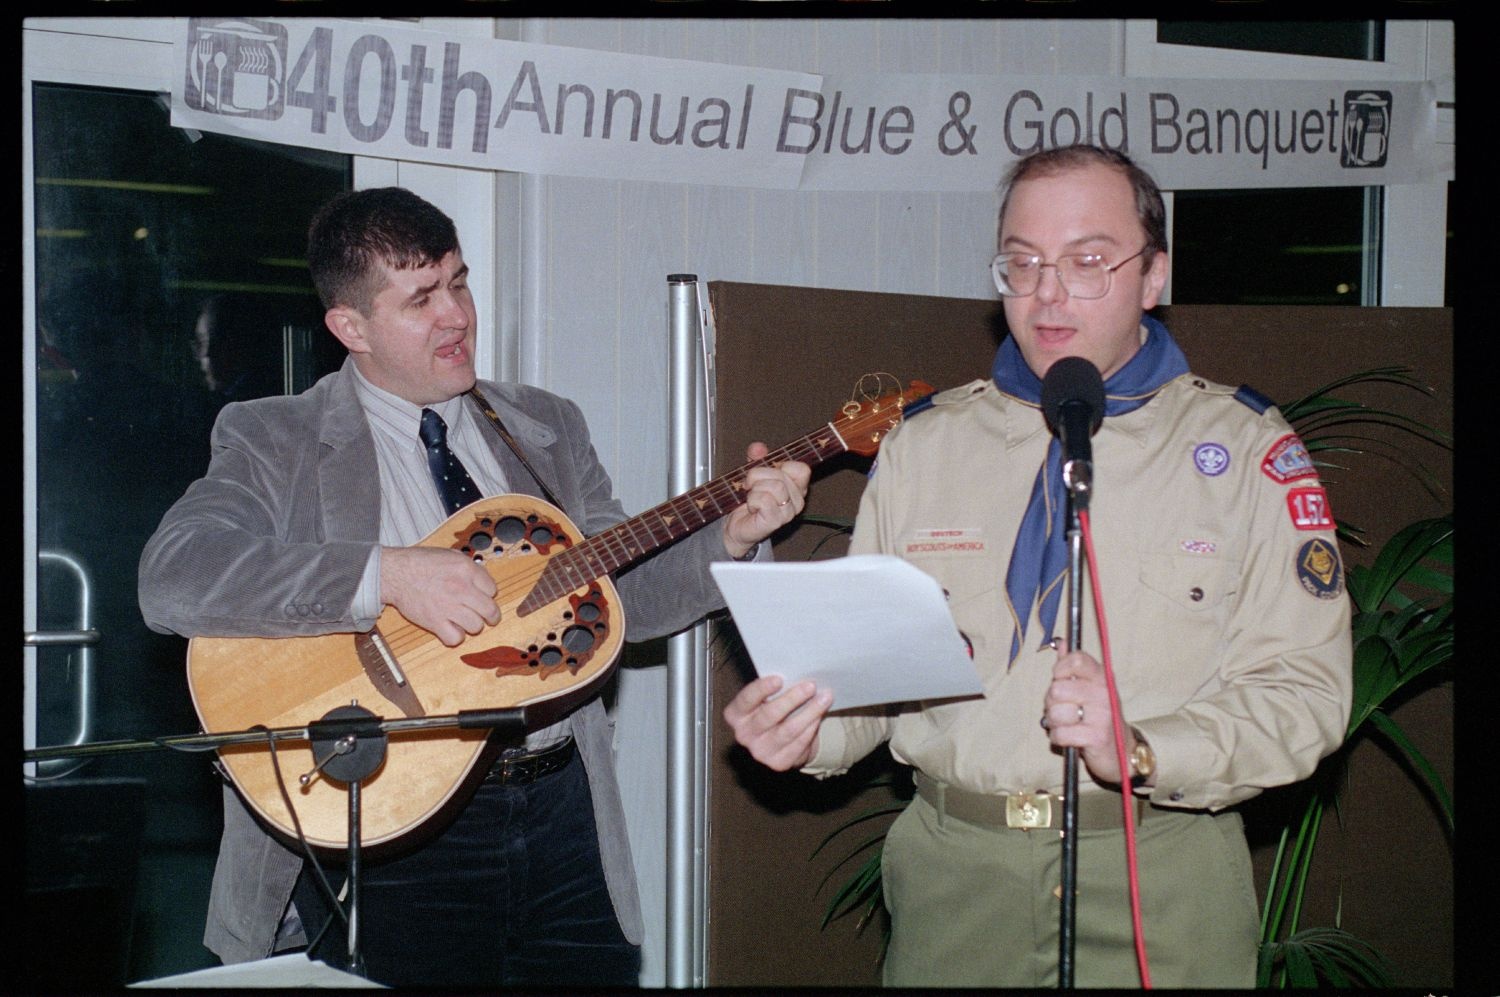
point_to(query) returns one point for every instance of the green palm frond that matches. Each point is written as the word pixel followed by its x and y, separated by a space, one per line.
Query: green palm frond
pixel 1331 428
pixel 1434 782
pixel 1402 629
pixel 1321 408
pixel 1318 957
pixel 863 887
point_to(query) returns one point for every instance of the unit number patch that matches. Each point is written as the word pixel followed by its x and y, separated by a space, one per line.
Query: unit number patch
pixel 1309 509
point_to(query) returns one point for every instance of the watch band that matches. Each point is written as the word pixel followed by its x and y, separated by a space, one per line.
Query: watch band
pixel 1142 761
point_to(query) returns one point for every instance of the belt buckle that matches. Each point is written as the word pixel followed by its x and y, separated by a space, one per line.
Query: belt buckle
pixel 517 769
pixel 1028 811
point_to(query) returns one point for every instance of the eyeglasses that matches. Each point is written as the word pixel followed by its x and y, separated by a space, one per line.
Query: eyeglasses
pixel 1082 275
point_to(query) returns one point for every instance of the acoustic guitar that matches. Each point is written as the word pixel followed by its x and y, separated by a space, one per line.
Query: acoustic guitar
pixel 560 632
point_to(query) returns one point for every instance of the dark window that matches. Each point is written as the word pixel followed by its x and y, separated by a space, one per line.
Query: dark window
pixel 1277 246
pixel 1303 246
pixel 1333 39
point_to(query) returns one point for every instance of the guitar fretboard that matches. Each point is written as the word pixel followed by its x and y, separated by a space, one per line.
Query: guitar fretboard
pixel 629 541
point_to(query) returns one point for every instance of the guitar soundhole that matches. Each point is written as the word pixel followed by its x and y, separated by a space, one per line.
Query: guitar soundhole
pixel 540 535
pixel 578 640
pixel 581 629
pixel 510 529
pixel 480 541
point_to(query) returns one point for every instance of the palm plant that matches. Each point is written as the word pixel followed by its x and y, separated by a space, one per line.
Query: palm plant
pixel 1401 641
pixel 1333 428
pixel 862 890
pixel 1402 622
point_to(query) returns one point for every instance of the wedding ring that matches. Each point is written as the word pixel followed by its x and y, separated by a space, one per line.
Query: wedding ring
pixel 1080 713
pixel 1045 724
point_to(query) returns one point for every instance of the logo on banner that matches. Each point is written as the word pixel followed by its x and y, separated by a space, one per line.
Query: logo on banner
pixel 236 67
pixel 1367 128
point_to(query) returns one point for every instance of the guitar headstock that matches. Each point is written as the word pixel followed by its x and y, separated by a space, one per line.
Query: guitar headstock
pixel 875 410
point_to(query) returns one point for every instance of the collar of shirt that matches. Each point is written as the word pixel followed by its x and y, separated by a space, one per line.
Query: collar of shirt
pixel 394 415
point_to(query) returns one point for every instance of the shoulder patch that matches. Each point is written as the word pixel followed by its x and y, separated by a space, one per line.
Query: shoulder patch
pixel 1252 399
pixel 1319 570
pixel 1288 460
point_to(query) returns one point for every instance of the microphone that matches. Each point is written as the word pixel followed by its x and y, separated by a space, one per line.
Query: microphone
pixel 1073 405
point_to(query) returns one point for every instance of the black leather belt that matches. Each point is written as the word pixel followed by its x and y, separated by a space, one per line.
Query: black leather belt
pixel 522 767
pixel 1100 811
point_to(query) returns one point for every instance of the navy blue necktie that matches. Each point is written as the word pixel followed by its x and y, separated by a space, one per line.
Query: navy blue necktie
pixel 454 485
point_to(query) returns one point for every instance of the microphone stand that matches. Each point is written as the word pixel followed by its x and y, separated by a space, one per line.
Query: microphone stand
pixel 1078 477
pixel 348 744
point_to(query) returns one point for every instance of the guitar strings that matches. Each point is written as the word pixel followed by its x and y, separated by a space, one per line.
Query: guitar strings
pixel 578 566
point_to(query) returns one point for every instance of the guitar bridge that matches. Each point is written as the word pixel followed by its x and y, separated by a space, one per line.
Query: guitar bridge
pixel 385 673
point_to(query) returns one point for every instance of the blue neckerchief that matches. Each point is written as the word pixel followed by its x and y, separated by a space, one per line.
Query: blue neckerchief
pixel 1039 561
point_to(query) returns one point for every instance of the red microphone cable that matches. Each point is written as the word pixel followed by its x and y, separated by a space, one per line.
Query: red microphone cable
pixel 1127 800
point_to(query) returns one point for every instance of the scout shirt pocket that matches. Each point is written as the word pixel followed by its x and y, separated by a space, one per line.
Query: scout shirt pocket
pixel 1184 602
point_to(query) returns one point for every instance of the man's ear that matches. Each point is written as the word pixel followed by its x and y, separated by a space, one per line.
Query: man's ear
pixel 348 327
pixel 1156 280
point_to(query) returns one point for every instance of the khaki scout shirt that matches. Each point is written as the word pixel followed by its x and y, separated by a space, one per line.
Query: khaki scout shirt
pixel 1221 584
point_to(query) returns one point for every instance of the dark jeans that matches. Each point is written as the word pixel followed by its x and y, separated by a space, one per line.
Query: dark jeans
pixel 512 893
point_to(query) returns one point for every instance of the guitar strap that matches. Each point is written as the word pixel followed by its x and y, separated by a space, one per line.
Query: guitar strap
pixel 510 441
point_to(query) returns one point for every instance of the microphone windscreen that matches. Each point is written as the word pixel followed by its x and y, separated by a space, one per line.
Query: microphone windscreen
pixel 1073 379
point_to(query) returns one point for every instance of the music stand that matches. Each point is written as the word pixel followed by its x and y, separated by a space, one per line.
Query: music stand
pixel 348 743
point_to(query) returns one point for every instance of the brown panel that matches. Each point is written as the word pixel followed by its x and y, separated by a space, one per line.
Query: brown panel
pixel 786 357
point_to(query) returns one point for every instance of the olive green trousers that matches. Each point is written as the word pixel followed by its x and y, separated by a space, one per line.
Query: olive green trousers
pixel 980 906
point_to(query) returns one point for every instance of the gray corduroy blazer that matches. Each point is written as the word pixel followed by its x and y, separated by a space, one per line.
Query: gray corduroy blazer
pixel 272 541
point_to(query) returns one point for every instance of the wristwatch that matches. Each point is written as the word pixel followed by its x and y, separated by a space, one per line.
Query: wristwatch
pixel 749 555
pixel 1142 761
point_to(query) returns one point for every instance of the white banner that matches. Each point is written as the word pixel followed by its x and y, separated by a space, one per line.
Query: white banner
pixel 375 89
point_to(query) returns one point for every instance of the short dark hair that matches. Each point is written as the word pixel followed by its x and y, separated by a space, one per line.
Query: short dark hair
pixel 359 229
pixel 1149 207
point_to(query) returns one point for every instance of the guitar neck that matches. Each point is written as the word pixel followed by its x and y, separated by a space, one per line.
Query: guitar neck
pixel 630 541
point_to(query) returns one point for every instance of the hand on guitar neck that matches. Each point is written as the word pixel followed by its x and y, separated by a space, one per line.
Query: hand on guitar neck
pixel 775 497
pixel 438 589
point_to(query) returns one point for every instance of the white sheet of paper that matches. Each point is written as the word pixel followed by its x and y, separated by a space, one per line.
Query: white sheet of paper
pixel 295 971
pixel 871 627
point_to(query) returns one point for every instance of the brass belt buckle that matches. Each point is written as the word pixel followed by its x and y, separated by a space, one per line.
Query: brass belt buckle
pixel 1028 810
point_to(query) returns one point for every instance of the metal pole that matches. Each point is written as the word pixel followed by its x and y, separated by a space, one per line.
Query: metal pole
pixel 687 791
pixel 1068 912
pixel 1078 477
